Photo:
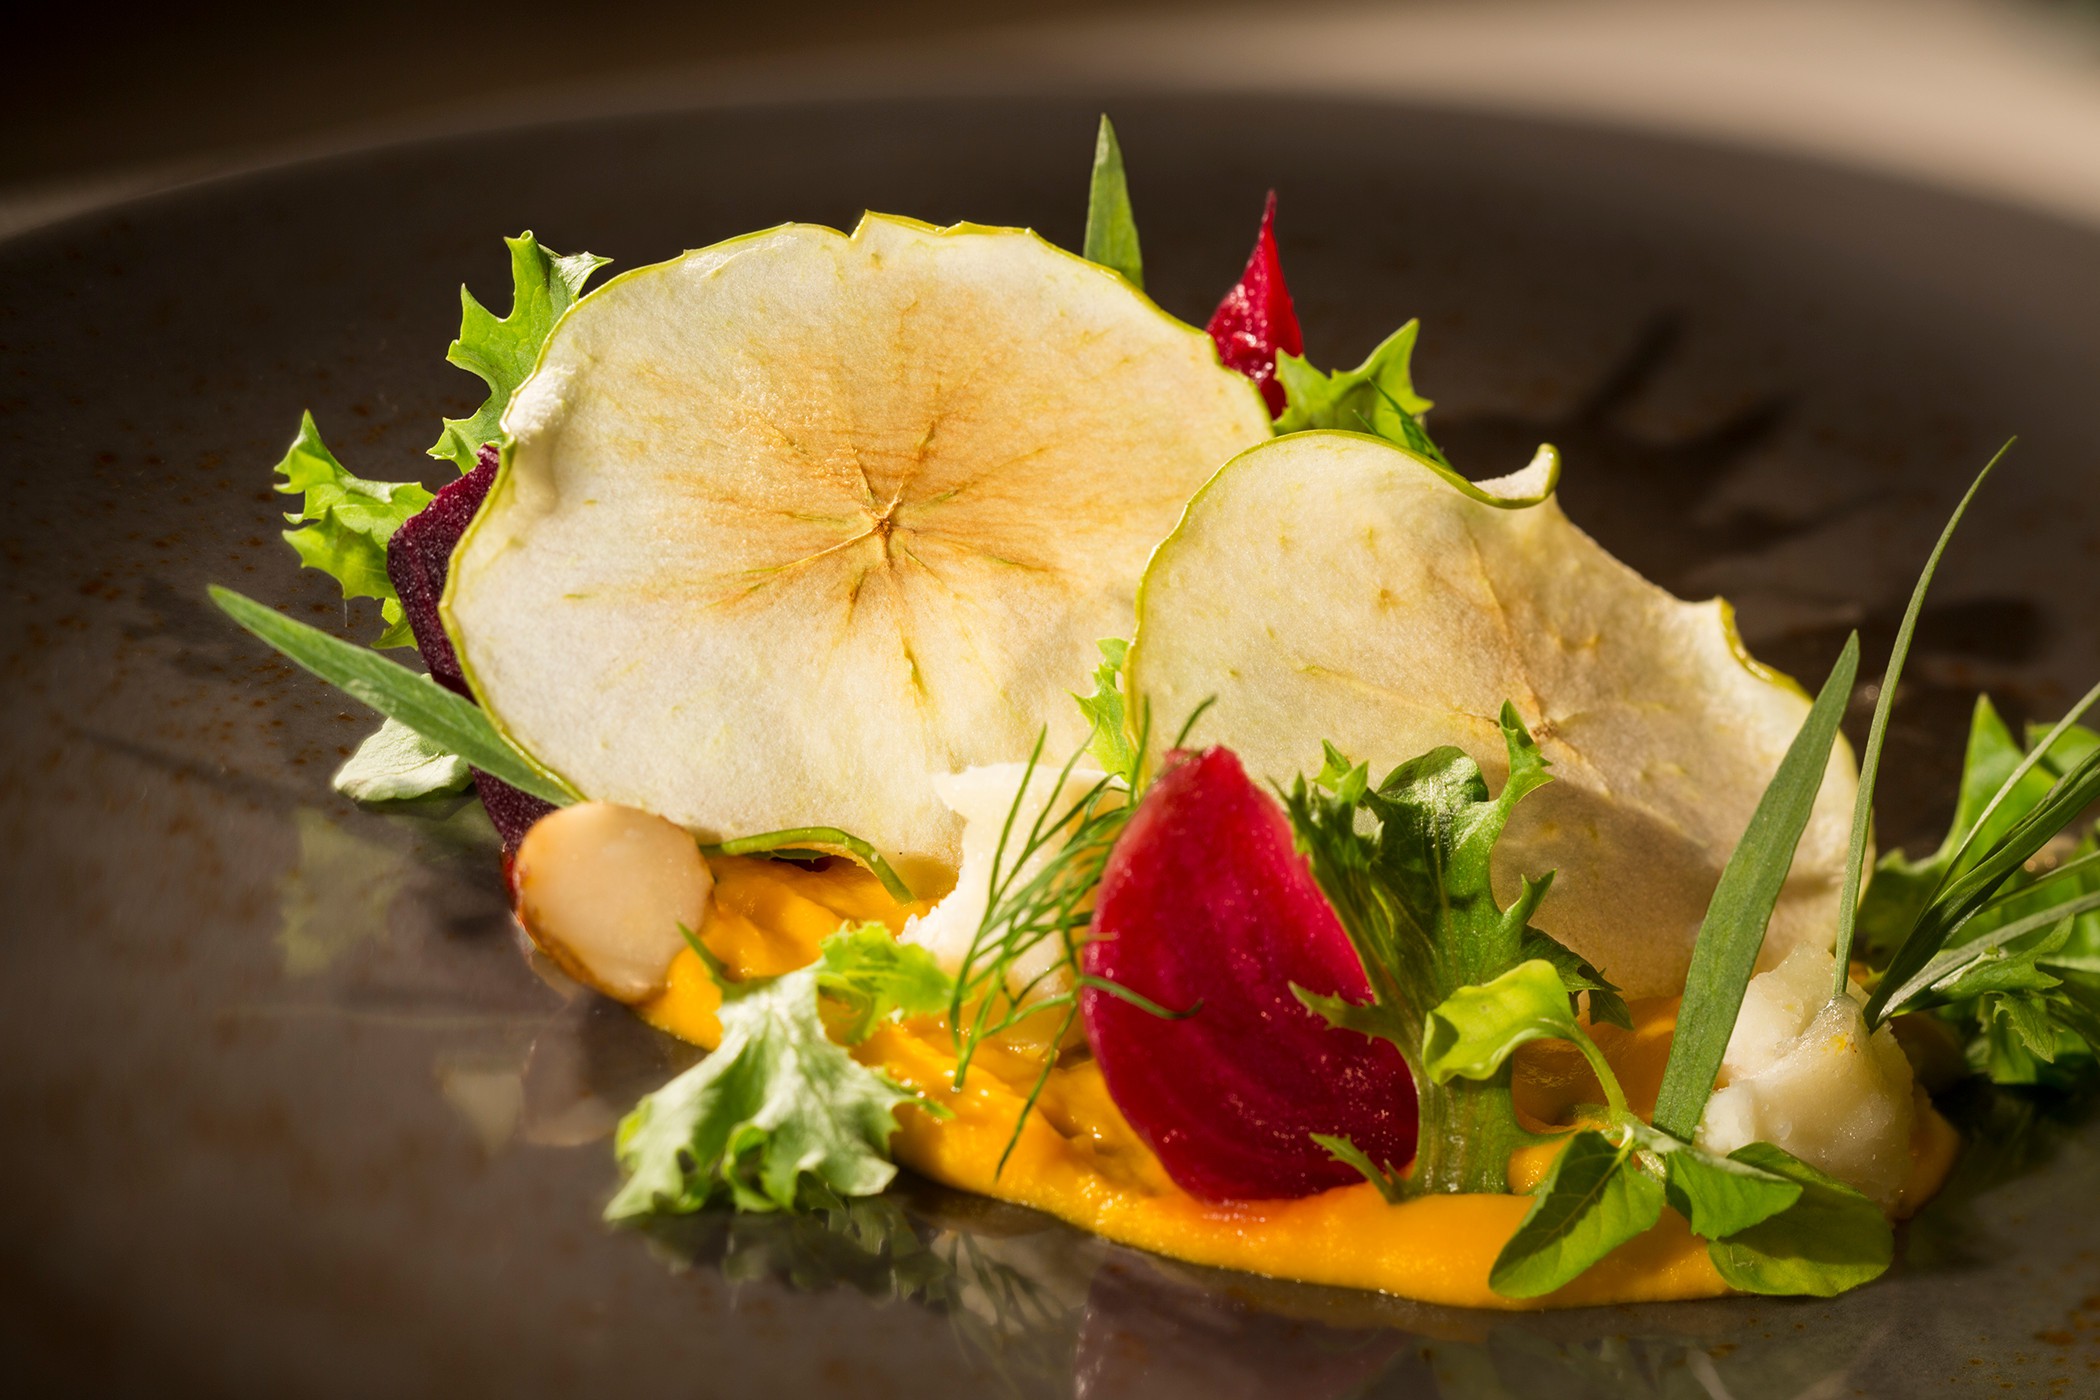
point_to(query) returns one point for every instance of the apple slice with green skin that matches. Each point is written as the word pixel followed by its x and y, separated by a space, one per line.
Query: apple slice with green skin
pixel 789 524
pixel 1331 586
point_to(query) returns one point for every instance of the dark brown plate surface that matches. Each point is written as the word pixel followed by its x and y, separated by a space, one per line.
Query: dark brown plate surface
pixel 284 1112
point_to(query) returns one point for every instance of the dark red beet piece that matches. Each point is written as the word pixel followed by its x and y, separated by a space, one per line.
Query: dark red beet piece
pixel 1256 320
pixel 418 558
pixel 1205 900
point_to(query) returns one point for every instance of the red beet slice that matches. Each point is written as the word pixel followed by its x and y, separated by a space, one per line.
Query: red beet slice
pixel 1205 900
pixel 418 558
pixel 1256 319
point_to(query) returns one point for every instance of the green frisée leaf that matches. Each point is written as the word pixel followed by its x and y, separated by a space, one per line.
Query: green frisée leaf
pixel 865 969
pixel 1733 930
pixel 1391 1184
pixel 776 1110
pixel 449 721
pixel 1377 397
pixel 1111 228
pixel 501 351
pixel 345 522
pixel 1830 1240
pixel 1592 1201
pixel 1406 866
pixel 1578 975
pixel 395 763
pixel 1111 742
pixel 1720 1196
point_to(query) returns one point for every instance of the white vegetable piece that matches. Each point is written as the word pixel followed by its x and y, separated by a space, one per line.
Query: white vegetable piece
pixel 1802 1073
pixel 983 797
pixel 602 890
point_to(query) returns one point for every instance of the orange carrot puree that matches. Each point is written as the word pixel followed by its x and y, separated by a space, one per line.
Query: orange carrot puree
pixel 1077 1159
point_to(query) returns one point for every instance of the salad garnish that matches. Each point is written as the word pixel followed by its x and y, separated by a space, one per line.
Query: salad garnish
pixel 1224 984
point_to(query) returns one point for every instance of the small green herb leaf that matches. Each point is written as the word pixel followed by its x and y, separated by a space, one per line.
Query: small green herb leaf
pixel 1111 742
pixel 1721 1196
pixel 1577 974
pixel 1391 1184
pixel 775 1109
pixel 1734 928
pixel 1830 1240
pixel 1377 397
pixel 345 522
pixel 395 763
pixel 449 721
pixel 1477 1029
pixel 1595 1199
pixel 503 350
pixel 865 968
pixel 1111 228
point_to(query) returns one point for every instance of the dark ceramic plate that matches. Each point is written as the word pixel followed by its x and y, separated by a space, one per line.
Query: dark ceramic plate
pixel 283 1111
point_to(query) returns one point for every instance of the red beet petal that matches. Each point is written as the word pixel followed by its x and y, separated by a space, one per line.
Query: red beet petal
pixel 1256 319
pixel 1205 900
pixel 418 559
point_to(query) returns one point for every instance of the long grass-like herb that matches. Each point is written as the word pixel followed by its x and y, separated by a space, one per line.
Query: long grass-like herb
pixel 1877 734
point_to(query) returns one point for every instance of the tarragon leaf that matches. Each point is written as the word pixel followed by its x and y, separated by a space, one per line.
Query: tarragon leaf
pixel 1725 955
pixel 1595 1198
pixel 776 1109
pixel 450 721
pixel 1111 228
pixel 1107 712
pixel 1377 397
pixel 502 350
pixel 865 969
pixel 395 763
pixel 1830 1240
pixel 345 522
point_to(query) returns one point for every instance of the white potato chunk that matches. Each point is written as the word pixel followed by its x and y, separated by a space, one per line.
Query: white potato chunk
pixel 602 890
pixel 983 797
pixel 1802 1072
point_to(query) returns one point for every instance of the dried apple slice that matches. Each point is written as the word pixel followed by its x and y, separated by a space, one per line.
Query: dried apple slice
pixel 790 523
pixel 1331 586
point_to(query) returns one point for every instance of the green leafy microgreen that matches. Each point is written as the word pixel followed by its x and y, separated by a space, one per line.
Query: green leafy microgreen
pixel 792 844
pixel 877 979
pixel 1830 1240
pixel 1112 743
pixel 1377 397
pixel 503 350
pixel 1877 734
pixel 395 764
pixel 1476 1029
pixel 1593 1200
pixel 1720 1196
pixel 1111 228
pixel 776 1109
pixel 449 721
pixel 1391 1184
pixel 1407 867
pixel 1580 977
pixel 1725 955
pixel 345 522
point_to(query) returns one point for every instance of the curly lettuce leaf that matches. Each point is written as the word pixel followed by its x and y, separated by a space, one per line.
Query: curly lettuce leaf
pixel 345 522
pixel 774 1112
pixel 874 978
pixel 1107 712
pixel 1377 397
pixel 501 351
